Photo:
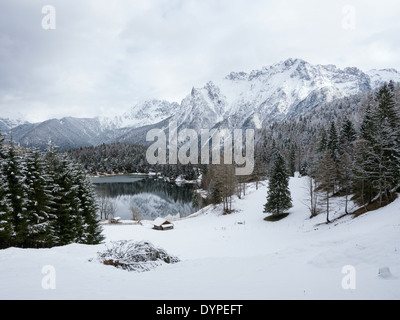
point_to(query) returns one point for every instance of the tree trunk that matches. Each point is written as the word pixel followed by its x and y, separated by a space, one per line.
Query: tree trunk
pixel 327 207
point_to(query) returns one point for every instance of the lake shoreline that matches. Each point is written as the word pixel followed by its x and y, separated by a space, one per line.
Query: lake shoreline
pixel 177 181
pixel 147 222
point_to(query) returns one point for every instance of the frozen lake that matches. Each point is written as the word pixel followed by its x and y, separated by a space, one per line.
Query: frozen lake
pixel 144 197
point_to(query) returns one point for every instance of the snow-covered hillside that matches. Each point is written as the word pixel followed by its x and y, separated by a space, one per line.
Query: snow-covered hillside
pixel 239 256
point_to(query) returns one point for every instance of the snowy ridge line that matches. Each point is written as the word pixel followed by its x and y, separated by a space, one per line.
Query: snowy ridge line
pixel 282 91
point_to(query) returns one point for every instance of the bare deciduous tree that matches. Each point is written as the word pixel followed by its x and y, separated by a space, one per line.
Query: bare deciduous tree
pixel 107 207
pixel 326 174
pixel 135 211
pixel 313 198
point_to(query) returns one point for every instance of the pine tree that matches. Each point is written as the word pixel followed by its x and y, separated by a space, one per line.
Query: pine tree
pixel 65 203
pixel 333 142
pixel 362 181
pixel 279 199
pixel 216 184
pixel 292 160
pixel 39 215
pixel 196 200
pixel 69 219
pixel 16 195
pixel 6 227
pixel 90 231
pixel 323 142
pixel 346 176
pixel 363 152
pixel 348 135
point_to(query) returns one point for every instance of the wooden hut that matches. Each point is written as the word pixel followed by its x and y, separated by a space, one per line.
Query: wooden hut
pixel 162 224
pixel 115 220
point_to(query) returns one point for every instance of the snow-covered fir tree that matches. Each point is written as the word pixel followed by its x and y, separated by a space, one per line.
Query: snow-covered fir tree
pixel 15 175
pixel 90 232
pixel 39 200
pixel 279 199
pixel 6 227
pixel 348 135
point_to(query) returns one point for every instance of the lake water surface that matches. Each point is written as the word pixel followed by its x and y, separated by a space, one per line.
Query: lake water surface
pixel 150 197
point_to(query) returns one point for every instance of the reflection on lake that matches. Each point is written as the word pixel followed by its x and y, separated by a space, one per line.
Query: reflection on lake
pixel 148 198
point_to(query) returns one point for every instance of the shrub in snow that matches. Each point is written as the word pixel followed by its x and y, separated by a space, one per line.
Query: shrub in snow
pixel 135 256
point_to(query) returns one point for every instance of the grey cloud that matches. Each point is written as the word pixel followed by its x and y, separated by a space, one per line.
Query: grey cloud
pixel 104 56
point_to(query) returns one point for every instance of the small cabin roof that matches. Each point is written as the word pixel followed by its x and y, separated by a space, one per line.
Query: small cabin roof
pixel 160 221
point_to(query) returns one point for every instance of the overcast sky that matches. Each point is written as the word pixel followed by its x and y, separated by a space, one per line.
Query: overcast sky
pixel 103 56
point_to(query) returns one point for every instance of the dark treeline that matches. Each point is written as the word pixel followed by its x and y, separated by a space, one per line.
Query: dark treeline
pixel 119 158
pixel 112 158
pixel 46 200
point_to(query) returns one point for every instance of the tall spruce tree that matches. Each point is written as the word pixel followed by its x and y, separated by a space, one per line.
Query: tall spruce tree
pixel 333 142
pixel 292 160
pixel 362 181
pixel 346 176
pixel 67 206
pixel 90 231
pixel 39 198
pixel 347 137
pixel 6 227
pixel 279 198
pixel 323 141
pixel 216 184
pixel 17 194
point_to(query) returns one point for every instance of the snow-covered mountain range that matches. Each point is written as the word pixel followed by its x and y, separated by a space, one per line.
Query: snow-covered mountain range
pixel 240 100
pixel 6 124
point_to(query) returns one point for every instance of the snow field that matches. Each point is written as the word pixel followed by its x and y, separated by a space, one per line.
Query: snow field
pixel 239 256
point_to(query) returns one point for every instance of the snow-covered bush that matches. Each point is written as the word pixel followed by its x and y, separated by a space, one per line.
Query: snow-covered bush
pixel 135 256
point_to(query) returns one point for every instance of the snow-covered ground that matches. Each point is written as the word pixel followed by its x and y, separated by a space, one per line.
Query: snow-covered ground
pixel 239 256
